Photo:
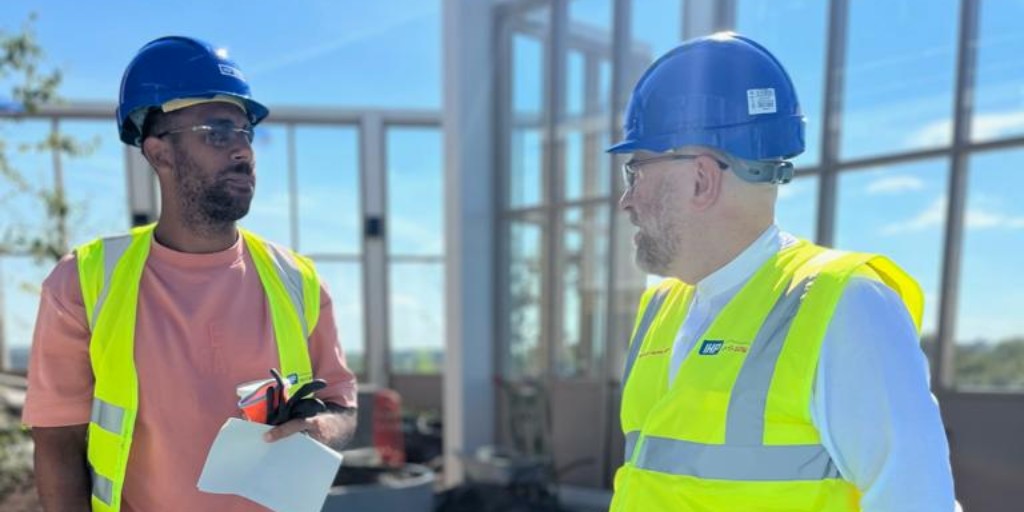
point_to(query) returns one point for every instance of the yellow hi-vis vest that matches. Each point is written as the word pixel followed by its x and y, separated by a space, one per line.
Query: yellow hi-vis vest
pixel 110 270
pixel 734 430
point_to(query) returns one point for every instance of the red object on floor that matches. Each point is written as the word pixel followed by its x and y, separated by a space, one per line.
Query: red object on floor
pixel 387 427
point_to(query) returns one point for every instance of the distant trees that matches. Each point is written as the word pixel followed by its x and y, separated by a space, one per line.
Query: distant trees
pixel 997 366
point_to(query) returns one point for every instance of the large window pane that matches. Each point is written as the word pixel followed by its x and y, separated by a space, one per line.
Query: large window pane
pixel 802 53
pixel 899 86
pixel 574 168
pixel 657 27
pixel 524 299
pixel 999 96
pixel 990 327
pixel 900 212
pixel 574 82
pixel 590 55
pixel 270 213
pixel 417 317
pixel 525 149
pixel 589 83
pixel 797 207
pixel 328 176
pixel 525 167
pixel 528 70
pixel 344 281
pixel 586 163
pixel 583 286
pixel 415 191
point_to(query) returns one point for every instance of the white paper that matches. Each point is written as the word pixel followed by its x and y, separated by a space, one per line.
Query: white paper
pixel 293 474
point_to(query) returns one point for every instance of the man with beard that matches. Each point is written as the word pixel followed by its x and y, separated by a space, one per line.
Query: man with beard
pixel 766 373
pixel 143 339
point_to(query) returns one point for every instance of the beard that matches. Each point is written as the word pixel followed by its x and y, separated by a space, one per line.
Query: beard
pixel 210 203
pixel 655 252
pixel 657 239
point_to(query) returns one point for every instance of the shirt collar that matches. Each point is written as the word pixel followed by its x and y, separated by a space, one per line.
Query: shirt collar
pixel 737 271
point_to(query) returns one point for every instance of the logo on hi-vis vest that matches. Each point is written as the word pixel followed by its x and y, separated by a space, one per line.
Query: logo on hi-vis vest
pixel 714 347
pixel 711 347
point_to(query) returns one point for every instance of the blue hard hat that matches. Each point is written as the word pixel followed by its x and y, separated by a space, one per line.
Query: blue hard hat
pixel 723 91
pixel 175 68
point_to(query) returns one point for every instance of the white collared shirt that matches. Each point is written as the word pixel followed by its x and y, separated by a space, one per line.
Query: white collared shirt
pixel 877 417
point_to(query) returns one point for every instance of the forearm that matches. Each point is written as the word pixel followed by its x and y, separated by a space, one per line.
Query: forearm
pixel 337 426
pixel 61 470
pixel 333 427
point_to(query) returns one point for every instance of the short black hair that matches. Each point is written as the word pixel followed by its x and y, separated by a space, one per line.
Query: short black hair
pixel 155 122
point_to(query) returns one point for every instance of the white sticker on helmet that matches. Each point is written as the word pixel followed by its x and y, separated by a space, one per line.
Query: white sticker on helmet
pixel 760 101
pixel 237 73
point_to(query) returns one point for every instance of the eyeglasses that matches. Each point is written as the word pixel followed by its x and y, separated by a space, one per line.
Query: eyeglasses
pixel 218 135
pixel 632 167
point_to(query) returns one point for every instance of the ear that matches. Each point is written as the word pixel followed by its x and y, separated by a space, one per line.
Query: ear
pixel 707 183
pixel 158 152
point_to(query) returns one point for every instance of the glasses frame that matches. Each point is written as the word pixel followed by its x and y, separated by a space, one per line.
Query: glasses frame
pixel 631 168
pixel 229 133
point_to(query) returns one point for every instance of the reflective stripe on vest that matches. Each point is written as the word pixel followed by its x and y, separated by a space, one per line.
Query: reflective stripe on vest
pixel 288 270
pixel 113 249
pixel 109 417
pixel 641 331
pixel 110 271
pixel 102 488
pixel 735 462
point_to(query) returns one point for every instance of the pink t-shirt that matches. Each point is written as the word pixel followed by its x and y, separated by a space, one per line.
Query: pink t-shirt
pixel 203 327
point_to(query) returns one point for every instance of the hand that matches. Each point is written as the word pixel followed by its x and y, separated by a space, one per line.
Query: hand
pixel 334 427
pixel 302 404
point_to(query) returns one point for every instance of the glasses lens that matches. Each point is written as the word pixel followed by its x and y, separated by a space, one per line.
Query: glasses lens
pixel 224 135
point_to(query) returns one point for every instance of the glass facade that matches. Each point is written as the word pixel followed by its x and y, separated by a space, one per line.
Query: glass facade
pixel 882 185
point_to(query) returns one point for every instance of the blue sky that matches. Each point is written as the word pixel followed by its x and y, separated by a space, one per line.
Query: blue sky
pixel 325 52
pixel 898 96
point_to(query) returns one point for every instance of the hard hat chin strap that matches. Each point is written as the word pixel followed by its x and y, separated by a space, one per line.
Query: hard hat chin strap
pixel 774 172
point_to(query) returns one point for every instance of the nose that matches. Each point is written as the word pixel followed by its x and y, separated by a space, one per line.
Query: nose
pixel 241 151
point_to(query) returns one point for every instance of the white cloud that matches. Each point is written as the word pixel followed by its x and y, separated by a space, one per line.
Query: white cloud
pixel 982 219
pixel 894 185
pixel 934 215
pixel 984 127
pixel 930 217
pixel 991 126
pixel 936 133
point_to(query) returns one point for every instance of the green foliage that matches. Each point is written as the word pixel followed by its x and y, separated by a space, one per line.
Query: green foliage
pixel 31 89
